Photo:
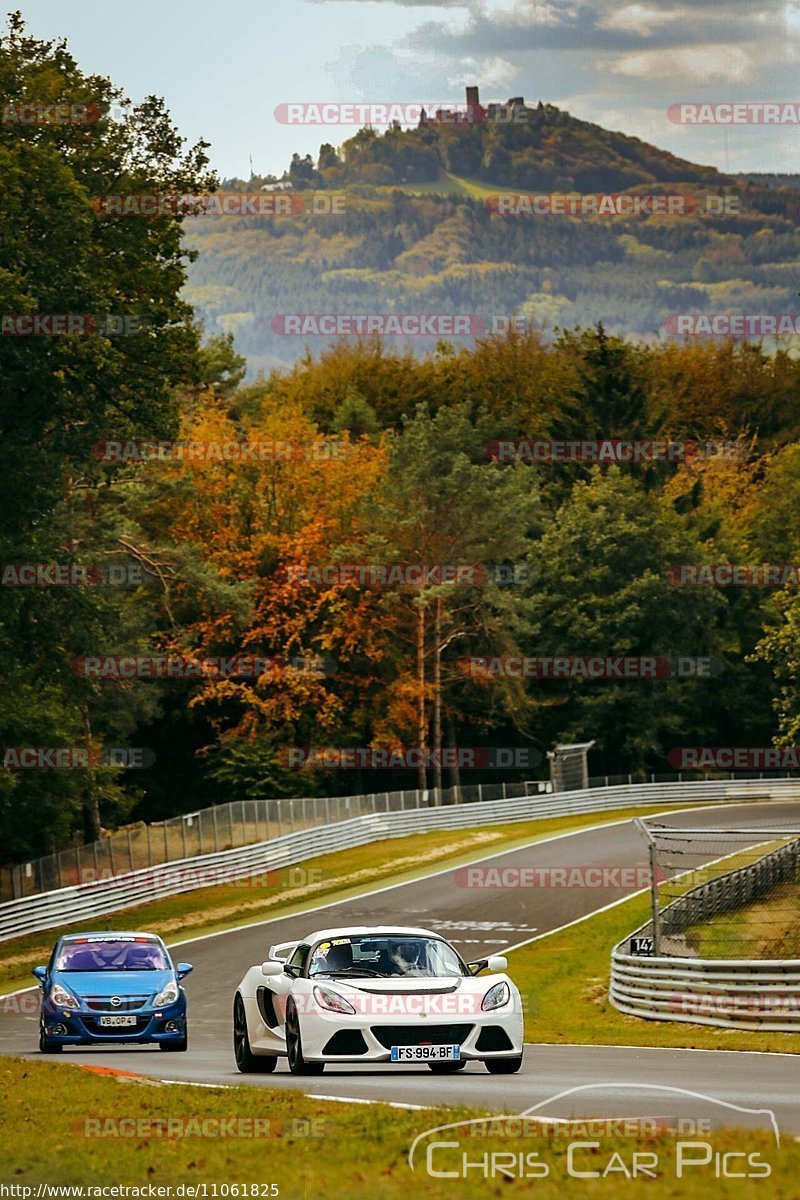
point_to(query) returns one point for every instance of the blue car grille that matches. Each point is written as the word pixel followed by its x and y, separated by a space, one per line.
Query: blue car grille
pixel 103 1004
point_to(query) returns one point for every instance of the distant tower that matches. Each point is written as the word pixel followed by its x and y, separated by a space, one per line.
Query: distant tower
pixel 475 114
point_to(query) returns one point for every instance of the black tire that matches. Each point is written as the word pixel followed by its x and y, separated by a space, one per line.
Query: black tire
pixel 177 1046
pixel 447 1068
pixel 294 1046
pixel 503 1066
pixel 246 1061
pixel 46 1046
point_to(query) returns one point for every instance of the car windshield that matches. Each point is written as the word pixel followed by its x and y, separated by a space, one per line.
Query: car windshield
pixel 112 954
pixel 386 957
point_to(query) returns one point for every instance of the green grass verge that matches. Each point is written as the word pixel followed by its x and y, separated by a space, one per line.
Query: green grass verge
pixel 311 1148
pixel 328 877
pixel 769 929
pixel 564 982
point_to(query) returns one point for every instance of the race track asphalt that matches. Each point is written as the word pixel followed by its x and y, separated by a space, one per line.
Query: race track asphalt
pixel 616 1080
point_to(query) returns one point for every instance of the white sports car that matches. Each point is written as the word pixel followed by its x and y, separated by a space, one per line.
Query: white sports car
pixel 376 995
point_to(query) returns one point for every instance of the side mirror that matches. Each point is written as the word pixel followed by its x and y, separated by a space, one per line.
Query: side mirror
pixel 497 962
pixel 183 969
pixel 271 967
pixel 40 973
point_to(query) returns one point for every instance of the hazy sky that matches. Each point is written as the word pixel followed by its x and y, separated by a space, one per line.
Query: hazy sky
pixel 223 67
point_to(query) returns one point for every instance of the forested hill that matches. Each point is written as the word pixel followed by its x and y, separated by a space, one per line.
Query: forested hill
pixel 405 221
pixel 538 147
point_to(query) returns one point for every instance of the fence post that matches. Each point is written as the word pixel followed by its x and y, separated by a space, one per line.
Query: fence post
pixel 149 848
pixel 244 827
pixel 130 848
pixel 230 821
pixel 111 855
pixel 216 831
pixel 183 834
pixel 327 810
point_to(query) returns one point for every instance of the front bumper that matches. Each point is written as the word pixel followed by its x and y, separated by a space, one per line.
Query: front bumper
pixel 81 1027
pixel 339 1038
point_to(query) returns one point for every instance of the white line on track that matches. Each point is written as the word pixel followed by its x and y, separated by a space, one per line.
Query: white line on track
pixel 360 1100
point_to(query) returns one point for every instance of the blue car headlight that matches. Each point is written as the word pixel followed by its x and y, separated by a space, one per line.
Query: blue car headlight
pixel 168 996
pixel 496 997
pixel 61 998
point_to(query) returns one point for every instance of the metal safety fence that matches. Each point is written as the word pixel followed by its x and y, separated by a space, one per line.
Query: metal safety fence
pixel 387 817
pixel 722 945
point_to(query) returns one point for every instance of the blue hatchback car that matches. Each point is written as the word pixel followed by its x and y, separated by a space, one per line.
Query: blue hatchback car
pixel 106 988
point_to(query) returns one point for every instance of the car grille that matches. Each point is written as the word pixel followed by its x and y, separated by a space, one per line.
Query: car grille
pixel 417 1035
pixel 103 1004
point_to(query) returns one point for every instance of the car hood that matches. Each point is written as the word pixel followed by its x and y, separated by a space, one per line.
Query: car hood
pixel 113 983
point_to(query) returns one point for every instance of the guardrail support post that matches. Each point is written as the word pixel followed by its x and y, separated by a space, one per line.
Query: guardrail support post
pixel 654 896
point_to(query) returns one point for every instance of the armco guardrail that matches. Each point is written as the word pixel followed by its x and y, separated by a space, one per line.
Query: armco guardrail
pixel 730 993
pixel 90 900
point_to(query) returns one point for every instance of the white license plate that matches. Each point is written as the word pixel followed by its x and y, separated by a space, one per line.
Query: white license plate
pixel 116 1021
pixel 425 1053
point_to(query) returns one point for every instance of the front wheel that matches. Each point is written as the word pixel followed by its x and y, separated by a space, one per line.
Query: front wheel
pixel 246 1061
pixel 447 1068
pixel 503 1066
pixel 294 1046
pixel 48 1047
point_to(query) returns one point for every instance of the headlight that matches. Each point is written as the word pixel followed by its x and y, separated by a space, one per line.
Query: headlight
pixel 62 998
pixel 325 998
pixel 168 996
pixel 496 997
